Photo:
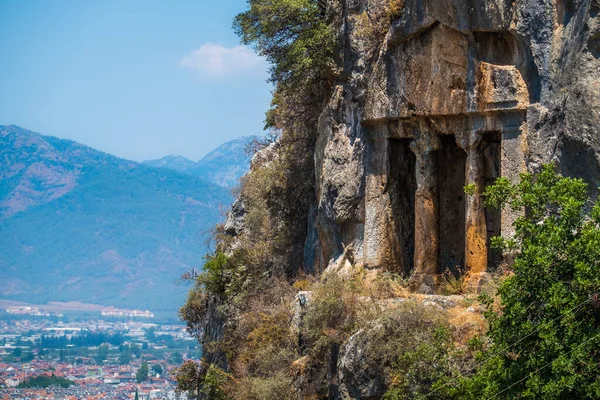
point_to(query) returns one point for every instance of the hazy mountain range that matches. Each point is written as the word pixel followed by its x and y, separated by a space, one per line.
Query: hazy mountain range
pixel 224 166
pixel 80 224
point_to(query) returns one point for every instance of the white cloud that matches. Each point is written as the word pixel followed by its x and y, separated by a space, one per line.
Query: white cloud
pixel 213 60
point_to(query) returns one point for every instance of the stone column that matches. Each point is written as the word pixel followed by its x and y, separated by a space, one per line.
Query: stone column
pixel 377 231
pixel 426 214
pixel 476 251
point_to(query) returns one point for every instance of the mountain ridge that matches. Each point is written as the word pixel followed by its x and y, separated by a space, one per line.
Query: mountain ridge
pixel 224 165
pixel 80 224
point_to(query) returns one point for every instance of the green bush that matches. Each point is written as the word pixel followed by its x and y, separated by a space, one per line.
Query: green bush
pixel 425 367
pixel 45 381
pixel 545 333
pixel 213 384
pixel 332 315
pixel 215 273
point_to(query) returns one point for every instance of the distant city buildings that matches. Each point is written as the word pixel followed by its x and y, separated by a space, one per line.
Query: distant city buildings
pixel 22 357
pixel 120 312
pixel 25 310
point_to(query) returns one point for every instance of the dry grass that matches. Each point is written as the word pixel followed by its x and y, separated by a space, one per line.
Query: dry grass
pixel 466 323
pixel 453 283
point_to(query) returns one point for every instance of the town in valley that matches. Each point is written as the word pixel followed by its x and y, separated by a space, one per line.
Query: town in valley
pixel 105 353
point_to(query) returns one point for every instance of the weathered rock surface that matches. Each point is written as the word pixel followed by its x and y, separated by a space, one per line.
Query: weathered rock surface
pixel 456 92
pixel 452 93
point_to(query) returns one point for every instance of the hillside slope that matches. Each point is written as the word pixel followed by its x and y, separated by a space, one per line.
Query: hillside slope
pixel 79 224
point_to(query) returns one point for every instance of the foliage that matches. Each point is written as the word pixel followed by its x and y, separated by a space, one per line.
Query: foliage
pixel 373 24
pixel 452 283
pixel 278 387
pixel 188 377
pixel 407 346
pixel 45 381
pixel 125 357
pixel 332 314
pixel 177 357
pixel 210 383
pixel 157 369
pixel 142 373
pixel 293 36
pixel 545 333
pixel 194 310
pixel 85 339
pixel 213 383
pixel 102 355
pixel 470 189
pixel 425 367
pixel 135 349
pixel 215 273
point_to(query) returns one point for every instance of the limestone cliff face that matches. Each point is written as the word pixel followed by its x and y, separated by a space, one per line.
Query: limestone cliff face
pixel 430 96
pixel 454 93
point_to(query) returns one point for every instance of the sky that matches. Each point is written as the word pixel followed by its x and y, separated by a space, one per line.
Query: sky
pixel 140 79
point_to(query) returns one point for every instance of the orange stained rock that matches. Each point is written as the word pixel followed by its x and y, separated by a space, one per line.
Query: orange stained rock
pixel 476 257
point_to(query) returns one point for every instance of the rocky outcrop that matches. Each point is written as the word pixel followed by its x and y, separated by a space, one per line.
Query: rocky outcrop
pixel 357 367
pixel 454 93
pixel 433 101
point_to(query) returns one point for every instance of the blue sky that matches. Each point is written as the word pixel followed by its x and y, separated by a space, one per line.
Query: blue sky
pixel 140 79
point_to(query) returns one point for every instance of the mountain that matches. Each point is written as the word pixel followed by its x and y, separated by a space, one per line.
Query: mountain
pixel 224 166
pixel 174 162
pixel 80 224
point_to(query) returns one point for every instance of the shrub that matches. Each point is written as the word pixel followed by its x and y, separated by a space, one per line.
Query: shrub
pixel 214 383
pixel 453 283
pixel 257 388
pixel 332 313
pixel 194 310
pixel 187 377
pixel 546 335
pixel 269 348
pixel 215 275
pixel 387 285
pixel 424 368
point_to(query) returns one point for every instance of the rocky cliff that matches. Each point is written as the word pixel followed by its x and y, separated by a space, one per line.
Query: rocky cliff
pixel 429 102
pixel 453 93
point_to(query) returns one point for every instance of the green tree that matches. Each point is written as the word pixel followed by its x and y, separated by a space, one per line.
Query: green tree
pixel 102 355
pixel 545 333
pixel 291 34
pixel 157 369
pixel 142 373
pixel 150 334
pixel 212 384
pixel 189 379
pixel 125 357
pixel 176 358
pixel 135 350
pixel 45 381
